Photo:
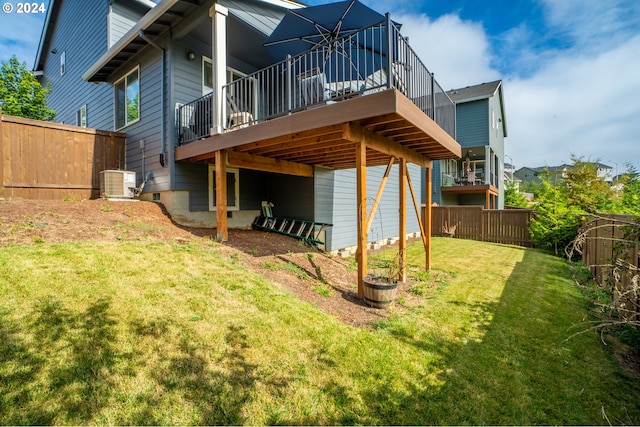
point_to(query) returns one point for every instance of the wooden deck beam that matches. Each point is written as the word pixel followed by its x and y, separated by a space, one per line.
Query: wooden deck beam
pixel 385 145
pixel 267 164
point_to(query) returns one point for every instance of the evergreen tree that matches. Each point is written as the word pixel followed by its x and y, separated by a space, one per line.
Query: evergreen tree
pixel 557 220
pixel 513 196
pixel 21 94
pixel 585 189
pixel 630 203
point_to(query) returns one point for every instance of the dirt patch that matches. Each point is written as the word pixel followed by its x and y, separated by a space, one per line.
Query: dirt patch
pixel 327 282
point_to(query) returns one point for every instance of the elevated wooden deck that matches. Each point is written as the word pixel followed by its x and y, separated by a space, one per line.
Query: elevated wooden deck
pixel 325 136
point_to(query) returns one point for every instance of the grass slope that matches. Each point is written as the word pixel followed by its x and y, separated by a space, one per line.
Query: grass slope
pixel 140 333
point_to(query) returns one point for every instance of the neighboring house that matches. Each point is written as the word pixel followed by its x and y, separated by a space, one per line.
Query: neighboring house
pixel 195 91
pixel 509 175
pixel 529 174
pixel 605 172
pixel 481 126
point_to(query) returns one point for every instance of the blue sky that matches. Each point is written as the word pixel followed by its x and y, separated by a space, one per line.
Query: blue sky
pixel 571 68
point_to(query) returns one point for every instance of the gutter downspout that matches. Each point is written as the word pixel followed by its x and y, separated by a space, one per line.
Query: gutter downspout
pixel 163 152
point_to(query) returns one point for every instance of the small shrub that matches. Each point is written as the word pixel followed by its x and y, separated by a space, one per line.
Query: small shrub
pixel 324 290
pixel 268 265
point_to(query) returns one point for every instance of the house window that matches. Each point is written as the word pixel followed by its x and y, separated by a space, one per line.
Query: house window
pixel 493 119
pixel 63 63
pixel 81 116
pixel 127 94
pixel 242 98
pixel 207 75
pixel 233 189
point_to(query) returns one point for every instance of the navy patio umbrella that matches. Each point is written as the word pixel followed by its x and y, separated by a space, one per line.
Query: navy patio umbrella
pixel 325 27
pixel 307 28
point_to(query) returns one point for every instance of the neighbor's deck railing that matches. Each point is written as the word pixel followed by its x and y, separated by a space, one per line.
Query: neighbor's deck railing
pixel 355 65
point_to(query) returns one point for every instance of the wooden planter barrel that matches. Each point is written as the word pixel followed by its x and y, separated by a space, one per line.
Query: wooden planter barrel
pixel 378 291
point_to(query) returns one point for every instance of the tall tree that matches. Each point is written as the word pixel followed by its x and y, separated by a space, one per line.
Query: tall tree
pixel 630 203
pixel 513 196
pixel 585 189
pixel 557 220
pixel 21 94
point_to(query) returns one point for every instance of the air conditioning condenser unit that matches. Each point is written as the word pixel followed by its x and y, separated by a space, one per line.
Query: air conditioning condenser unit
pixel 117 184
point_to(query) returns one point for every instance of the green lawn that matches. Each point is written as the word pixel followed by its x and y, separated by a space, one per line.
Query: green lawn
pixel 154 333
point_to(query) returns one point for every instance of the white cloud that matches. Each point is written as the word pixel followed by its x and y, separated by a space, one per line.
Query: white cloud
pixel 577 103
pixel 457 51
pixel 592 25
pixel 577 94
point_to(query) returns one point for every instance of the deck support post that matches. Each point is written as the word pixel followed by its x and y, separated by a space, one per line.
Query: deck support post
pixel 222 229
pixel 417 208
pixel 427 218
pixel 402 247
pixel 218 14
pixel 361 196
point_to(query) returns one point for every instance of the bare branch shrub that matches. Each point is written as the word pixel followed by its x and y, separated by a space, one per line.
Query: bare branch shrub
pixel 609 247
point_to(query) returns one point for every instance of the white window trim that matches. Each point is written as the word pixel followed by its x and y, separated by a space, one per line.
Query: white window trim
pixel 205 89
pixel 82 115
pixel 63 63
pixel 115 112
pixel 212 196
pixel 207 60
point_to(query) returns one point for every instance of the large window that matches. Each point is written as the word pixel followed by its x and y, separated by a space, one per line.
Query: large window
pixel 233 189
pixel 127 94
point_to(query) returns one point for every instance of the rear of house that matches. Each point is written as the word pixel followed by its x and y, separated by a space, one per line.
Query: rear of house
pixel 159 72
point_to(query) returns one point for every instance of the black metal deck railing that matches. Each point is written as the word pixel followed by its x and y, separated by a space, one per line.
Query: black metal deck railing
pixel 359 64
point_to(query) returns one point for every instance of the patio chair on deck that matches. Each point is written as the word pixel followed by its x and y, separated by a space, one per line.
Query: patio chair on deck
pixel 202 119
pixel 238 117
pixel 313 87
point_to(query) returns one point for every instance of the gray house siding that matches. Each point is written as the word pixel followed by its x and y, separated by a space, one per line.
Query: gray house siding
pixel 149 127
pixel 472 123
pixel 323 199
pixel 121 19
pixel 75 21
pixel 385 223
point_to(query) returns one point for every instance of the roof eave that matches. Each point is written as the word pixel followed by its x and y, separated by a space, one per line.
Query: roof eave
pixel 148 19
pixel 43 37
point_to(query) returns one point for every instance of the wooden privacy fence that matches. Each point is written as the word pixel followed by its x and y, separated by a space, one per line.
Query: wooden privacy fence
pixel 611 250
pixel 43 160
pixel 603 239
pixel 476 223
